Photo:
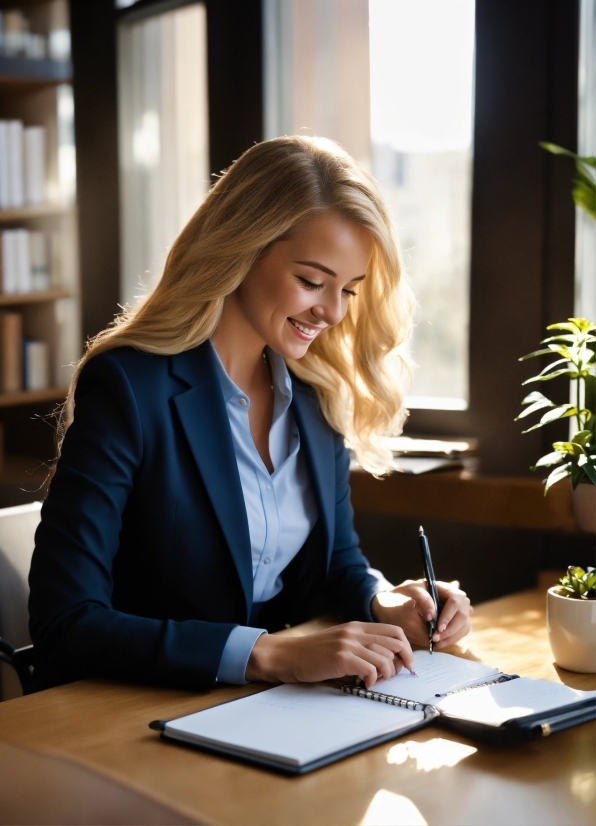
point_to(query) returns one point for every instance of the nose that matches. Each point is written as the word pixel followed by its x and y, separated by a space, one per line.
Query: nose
pixel 331 308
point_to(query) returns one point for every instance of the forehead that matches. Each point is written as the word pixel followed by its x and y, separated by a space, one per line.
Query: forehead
pixel 340 245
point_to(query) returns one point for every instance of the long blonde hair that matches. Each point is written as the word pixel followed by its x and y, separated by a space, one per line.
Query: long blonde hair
pixel 356 368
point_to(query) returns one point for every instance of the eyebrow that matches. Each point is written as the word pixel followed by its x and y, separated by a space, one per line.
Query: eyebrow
pixel 315 265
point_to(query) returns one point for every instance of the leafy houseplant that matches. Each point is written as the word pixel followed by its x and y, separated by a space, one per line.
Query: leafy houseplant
pixel 578 584
pixel 575 347
pixel 571 620
pixel 584 184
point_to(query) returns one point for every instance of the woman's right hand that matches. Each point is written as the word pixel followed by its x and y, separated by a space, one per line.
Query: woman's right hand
pixel 368 650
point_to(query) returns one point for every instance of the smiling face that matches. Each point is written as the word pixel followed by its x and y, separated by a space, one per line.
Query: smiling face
pixel 302 285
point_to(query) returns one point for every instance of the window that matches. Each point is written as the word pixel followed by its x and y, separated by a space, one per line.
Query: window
pixel 163 140
pixel 392 81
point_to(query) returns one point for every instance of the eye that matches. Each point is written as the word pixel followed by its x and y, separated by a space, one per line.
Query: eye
pixel 350 292
pixel 309 285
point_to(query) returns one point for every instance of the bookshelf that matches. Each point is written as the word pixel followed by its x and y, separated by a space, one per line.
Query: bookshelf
pixel 39 279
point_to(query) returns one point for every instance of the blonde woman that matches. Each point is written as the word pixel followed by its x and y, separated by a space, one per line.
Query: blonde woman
pixel 201 496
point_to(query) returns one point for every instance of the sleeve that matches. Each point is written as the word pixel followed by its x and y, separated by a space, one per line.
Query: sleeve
pixel 75 629
pixel 232 666
pixel 351 583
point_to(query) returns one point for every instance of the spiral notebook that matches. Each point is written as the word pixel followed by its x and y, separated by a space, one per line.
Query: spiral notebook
pixel 298 728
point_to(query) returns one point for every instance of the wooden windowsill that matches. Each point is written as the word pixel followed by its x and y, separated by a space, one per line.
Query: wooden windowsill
pixel 461 496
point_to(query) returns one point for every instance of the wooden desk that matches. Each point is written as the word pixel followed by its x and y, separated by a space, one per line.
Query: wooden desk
pixel 430 776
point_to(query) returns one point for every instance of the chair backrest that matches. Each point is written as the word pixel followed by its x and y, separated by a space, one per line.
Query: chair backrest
pixel 17 539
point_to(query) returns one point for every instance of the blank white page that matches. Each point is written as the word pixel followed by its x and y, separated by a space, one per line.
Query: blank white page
pixel 292 724
pixel 437 674
pixel 495 704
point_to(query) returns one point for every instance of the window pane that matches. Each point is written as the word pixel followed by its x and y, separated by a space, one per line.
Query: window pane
pixel 397 93
pixel 585 227
pixel 421 126
pixel 163 137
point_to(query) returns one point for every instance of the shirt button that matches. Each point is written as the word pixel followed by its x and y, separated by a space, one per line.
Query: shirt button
pixel 242 401
pixel 266 561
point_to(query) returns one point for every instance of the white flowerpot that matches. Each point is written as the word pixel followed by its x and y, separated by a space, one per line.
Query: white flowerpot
pixel 584 506
pixel 572 631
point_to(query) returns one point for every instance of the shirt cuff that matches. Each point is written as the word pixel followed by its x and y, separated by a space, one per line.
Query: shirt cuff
pixel 381 584
pixel 237 651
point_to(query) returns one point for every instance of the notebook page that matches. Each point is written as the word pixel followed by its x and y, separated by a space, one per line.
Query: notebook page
pixel 495 704
pixel 437 674
pixel 292 724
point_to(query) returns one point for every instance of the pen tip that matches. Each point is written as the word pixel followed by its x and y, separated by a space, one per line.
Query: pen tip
pixel 420 531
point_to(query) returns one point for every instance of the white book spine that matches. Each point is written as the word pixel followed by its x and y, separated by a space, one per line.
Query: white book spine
pixel 38 256
pixel 36 365
pixel 9 262
pixel 34 163
pixel 15 164
pixel 4 176
pixel 23 265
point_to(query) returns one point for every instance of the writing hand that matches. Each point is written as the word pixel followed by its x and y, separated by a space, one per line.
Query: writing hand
pixel 410 605
pixel 371 651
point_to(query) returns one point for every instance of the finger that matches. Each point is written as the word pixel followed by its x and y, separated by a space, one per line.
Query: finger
pixel 383 662
pixel 453 605
pixel 451 639
pixel 390 659
pixel 458 621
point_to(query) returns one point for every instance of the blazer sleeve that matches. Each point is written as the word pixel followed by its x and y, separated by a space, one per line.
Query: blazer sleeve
pixel 351 583
pixel 75 629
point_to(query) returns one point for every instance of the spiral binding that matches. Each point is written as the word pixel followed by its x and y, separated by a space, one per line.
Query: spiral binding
pixel 504 678
pixel 384 698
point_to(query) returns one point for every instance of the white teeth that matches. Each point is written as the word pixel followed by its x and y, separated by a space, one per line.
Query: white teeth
pixel 308 331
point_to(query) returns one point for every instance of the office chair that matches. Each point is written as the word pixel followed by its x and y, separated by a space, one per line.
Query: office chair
pixel 17 539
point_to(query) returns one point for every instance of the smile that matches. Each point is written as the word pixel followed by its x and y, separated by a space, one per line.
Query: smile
pixel 308 332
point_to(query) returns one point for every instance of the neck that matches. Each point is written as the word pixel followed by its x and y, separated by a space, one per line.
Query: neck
pixel 239 348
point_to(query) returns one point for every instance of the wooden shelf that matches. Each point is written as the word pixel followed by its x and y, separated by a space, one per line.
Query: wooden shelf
pixel 23 397
pixel 23 71
pixel 460 496
pixel 43 296
pixel 9 216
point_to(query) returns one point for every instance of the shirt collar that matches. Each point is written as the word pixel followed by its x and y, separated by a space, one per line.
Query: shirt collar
pixel 280 376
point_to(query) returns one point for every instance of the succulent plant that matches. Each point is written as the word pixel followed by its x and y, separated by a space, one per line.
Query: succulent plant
pixel 578 584
pixel 575 346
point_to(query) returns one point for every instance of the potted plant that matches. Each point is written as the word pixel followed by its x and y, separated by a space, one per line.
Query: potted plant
pixel 571 620
pixel 574 345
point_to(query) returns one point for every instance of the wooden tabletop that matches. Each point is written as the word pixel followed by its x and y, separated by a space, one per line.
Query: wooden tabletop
pixel 429 776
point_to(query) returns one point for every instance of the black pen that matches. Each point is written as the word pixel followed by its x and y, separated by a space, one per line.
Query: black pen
pixel 431 584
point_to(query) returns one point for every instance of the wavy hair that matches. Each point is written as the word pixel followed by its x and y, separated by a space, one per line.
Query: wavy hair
pixel 357 368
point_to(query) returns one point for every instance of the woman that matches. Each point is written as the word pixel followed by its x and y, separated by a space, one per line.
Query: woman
pixel 201 496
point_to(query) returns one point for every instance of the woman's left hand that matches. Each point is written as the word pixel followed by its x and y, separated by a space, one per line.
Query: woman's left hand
pixel 410 606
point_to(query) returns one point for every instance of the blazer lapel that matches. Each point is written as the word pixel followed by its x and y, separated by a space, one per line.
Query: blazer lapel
pixel 204 419
pixel 320 454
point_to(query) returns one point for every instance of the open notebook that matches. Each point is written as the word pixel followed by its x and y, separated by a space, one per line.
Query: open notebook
pixel 297 728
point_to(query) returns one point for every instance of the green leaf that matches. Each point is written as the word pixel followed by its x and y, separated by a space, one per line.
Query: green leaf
pixel 571 373
pixel 556 476
pixel 534 396
pixel 550 459
pixel 557 150
pixel 577 474
pixel 584 196
pixel 563 411
pixel 539 405
pixel 569 447
pixel 544 352
pixel 582 437
pixel 590 470
pixel 566 325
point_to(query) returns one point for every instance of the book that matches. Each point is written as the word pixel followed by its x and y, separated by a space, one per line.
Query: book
pixel 4 183
pixel 34 164
pixel 36 365
pixel 16 176
pixel 11 352
pixel 297 728
pixel 39 260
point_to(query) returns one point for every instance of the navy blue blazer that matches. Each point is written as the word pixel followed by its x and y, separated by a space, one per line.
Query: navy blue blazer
pixel 142 564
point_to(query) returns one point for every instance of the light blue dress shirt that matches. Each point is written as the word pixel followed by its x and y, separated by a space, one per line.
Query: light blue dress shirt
pixel 281 507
